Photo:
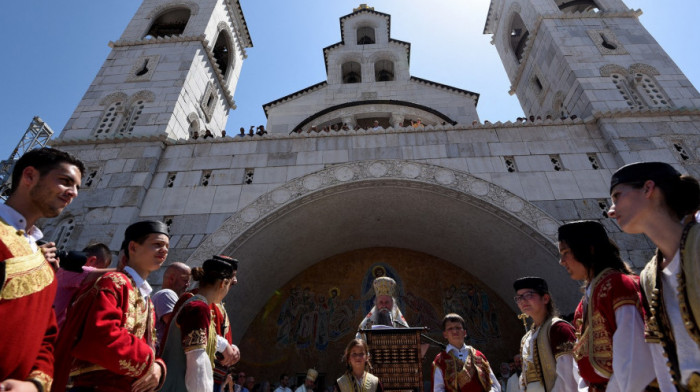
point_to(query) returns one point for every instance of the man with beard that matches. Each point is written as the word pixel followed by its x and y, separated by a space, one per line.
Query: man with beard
pixel 385 311
pixel 44 182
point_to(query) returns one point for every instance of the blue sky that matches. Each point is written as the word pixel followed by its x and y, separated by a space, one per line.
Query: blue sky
pixel 52 50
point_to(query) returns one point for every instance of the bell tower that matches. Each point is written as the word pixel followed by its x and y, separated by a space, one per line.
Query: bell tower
pixel 577 57
pixel 172 73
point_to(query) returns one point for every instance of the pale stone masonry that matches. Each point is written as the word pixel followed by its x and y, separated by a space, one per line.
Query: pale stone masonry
pixel 598 92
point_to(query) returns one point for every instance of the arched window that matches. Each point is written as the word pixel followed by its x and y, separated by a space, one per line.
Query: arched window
pixel 384 71
pixel 352 72
pixel 518 36
pixel 223 52
pixel 128 126
pixel 628 94
pixel 653 95
pixel 365 35
pixel 171 22
pixel 111 119
pixel 577 6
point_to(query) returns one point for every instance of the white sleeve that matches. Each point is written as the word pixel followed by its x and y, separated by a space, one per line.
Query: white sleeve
pixel 221 344
pixel 663 377
pixel 199 376
pixel 632 369
pixel 438 382
pixel 567 374
pixel 495 385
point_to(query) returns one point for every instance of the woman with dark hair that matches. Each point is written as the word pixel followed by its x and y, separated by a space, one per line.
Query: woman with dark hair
pixel 357 378
pixel 191 342
pixel 547 348
pixel 610 351
pixel 655 199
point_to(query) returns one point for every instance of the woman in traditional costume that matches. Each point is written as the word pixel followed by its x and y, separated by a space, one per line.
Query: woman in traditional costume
pixel 608 358
pixel 655 199
pixel 357 378
pixel 191 342
pixel 547 348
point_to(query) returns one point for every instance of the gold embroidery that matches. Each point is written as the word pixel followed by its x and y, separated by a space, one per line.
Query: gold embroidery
pixel 44 379
pixel 564 348
pixel 131 369
pixel 26 275
pixel 196 339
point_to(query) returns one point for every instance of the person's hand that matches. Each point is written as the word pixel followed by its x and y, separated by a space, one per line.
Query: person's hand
pixel 231 355
pixel 148 382
pixel 49 251
pixel 18 386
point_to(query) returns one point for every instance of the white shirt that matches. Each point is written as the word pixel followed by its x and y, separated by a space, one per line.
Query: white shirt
pixel 16 220
pixel 461 353
pixel 686 348
pixel 140 282
pixel 632 370
pixel 282 389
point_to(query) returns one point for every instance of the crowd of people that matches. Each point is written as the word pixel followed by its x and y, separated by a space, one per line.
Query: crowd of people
pixel 629 332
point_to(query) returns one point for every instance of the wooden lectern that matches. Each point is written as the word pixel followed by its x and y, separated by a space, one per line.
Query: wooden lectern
pixel 395 358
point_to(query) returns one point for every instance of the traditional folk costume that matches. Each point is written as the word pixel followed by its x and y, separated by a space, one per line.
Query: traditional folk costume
pixel 608 358
pixel 673 319
pixel 369 383
pixel 463 369
pixel 223 329
pixel 547 350
pixel 108 340
pixel 27 290
pixel 190 348
pixel 383 286
pixel 548 362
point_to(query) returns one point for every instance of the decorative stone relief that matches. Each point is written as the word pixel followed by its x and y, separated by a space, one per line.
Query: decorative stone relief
pixel 606 41
pixel 143 68
pixel 451 183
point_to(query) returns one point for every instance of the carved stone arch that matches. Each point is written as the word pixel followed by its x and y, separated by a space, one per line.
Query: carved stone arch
pixel 143 95
pixel 314 216
pixel 383 55
pixel 223 49
pixel 643 81
pixel 643 68
pixel 513 10
pixel 610 69
pixel 114 97
pixel 517 34
pixel 191 5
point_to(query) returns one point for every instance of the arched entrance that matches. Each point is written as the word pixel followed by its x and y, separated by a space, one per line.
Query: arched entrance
pixel 478 227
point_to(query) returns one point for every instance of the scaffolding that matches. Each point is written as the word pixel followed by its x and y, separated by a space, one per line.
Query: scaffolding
pixel 37 135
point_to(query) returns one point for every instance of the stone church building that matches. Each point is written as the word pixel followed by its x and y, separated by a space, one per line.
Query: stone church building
pixel 454 209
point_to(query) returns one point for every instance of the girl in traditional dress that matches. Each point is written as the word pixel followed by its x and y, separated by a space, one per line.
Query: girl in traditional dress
pixel 609 358
pixel 191 341
pixel 655 199
pixel 357 378
pixel 547 348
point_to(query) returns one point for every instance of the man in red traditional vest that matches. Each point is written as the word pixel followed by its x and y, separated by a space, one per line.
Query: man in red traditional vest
pixel 461 368
pixel 44 182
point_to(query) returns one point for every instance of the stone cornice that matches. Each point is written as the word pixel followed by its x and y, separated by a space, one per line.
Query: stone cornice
pixel 242 34
pixel 560 15
pixel 647 112
pixel 226 92
pixel 78 141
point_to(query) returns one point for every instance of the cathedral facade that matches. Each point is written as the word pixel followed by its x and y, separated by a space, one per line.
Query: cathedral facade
pixel 373 171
